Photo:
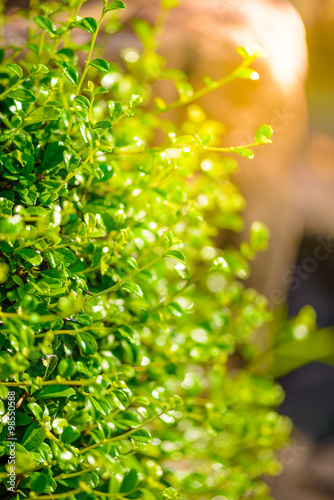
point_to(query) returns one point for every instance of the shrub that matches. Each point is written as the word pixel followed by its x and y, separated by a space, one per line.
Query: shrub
pixel 120 317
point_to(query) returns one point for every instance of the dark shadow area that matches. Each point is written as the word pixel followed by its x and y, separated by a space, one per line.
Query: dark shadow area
pixel 317 288
pixel 309 390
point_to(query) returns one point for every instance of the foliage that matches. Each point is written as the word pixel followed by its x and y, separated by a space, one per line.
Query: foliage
pixel 120 318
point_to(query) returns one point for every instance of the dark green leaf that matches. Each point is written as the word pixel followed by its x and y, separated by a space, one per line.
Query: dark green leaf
pixel 42 483
pixel 87 343
pixel 70 434
pixel 33 436
pixel 53 155
pixel 23 419
pixel 130 481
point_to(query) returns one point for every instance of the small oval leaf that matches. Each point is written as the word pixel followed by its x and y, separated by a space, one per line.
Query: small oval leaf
pixel 100 64
pixel 54 392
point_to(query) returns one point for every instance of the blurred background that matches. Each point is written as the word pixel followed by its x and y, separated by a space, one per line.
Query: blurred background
pixel 309 468
pixel 289 185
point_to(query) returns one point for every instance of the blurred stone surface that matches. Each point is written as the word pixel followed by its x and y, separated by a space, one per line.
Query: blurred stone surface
pixel 308 471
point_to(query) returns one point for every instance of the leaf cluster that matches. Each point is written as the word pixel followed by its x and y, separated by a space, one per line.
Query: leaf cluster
pixel 119 314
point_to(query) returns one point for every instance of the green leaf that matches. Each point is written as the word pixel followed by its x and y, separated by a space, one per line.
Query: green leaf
pixel 47 113
pixel 88 24
pixel 51 360
pixel 53 155
pixel 100 90
pixel 66 368
pixel 102 406
pixel 33 436
pixel 23 419
pixel 115 4
pixel 141 435
pixel 130 481
pixel 176 254
pixel 45 452
pixel 22 95
pixel 100 64
pixel 175 309
pixel 63 255
pixel 128 419
pixel 42 483
pixel 91 479
pixel 87 343
pixel 71 161
pixel 36 410
pixel 132 262
pixel 135 100
pixel 90 220
pixel 44 23
pixel 55 392
pixel 40 68
pixel 29 303
pixel 103 125
pixel 4 269
pixel 82 100
pixel 15 68
pixel 30 256
pixel 69 71
pixel 245 152
pixel 130 286
pixel 70 434
pixel 115 109
pixel 263 134
pixel 65 51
